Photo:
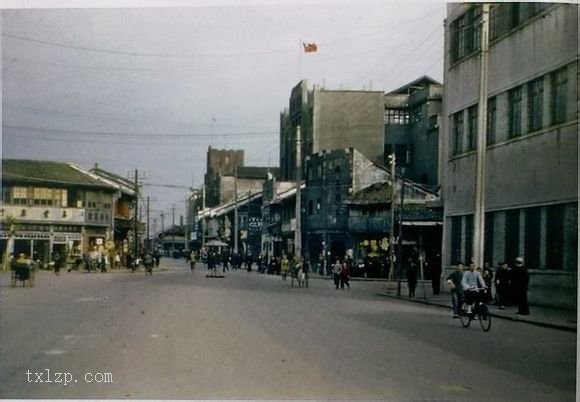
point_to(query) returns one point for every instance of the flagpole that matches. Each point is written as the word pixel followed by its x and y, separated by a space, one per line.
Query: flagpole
pixel 300 60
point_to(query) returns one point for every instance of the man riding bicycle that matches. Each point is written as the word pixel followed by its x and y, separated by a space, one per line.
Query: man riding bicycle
pixel 471 282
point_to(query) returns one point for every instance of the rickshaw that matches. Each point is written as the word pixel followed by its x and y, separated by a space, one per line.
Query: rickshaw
pixel 22 270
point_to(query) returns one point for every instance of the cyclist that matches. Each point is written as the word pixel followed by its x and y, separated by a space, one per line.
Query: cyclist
pixel 470 283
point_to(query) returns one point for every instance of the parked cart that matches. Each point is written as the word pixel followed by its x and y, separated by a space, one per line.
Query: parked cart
pixel 22 270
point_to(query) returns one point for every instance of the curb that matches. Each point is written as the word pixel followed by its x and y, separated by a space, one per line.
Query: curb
pixel 562 327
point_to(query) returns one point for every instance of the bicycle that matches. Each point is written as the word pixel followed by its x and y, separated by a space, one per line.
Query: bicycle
pixel 478 308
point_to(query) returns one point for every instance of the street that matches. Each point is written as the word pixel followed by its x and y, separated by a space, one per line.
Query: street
pixel 181 335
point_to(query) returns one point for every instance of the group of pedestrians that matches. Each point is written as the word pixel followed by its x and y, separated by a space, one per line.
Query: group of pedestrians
pixel 511 285
pixel 341 273
pixel 234 260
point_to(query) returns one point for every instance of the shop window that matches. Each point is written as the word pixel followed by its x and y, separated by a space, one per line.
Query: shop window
pixel 455 239
pixel 512 235
pixel 468 237
pixel 532 237
pixel 555 237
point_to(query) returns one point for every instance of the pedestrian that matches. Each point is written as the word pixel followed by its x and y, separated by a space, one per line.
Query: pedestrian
pixel 411 276
pixel 502 284
pixel 117 261
pixel 192 260
pixel 435 267
pixel 56 260
pixel 336 271
pixel 487 276
pixel 284 267
pixel 520 280
pixel 345 275
pixel 454 286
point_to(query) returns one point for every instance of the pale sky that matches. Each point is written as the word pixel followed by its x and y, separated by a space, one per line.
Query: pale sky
pixel 151 88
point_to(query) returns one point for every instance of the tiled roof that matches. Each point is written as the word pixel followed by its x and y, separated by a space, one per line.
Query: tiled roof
pixel 419 212
pixel 378 193
pixel 37 172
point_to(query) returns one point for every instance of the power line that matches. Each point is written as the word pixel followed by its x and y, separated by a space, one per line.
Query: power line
pixel 138 135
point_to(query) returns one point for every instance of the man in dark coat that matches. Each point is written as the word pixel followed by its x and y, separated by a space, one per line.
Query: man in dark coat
pixel 520 279
pixel 503 284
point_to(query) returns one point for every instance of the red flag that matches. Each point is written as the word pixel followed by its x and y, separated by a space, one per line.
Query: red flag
pixel 310 47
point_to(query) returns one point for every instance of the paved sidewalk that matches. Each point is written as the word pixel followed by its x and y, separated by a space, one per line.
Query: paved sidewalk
pixel 541 316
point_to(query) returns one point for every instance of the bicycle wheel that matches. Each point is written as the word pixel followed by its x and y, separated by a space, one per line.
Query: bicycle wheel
pixel 484 317
pixel 464 316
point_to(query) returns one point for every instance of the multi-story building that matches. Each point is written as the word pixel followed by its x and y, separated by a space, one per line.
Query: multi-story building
pixel 52 207
pixel 124 223
pixel 330 119
pixel 531 163
pixel 412 125
pixel 279 217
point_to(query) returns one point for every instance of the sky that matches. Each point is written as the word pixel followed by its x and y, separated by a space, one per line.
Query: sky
pixel 150 85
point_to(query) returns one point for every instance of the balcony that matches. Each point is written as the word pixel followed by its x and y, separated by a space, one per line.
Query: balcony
pixel 48 214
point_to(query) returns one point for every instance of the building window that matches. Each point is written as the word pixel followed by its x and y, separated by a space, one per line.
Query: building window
pixel 397 116
pixel 19 195
pixel 310 207
pixel 491 120
pixel 455 239
pixel 42 196
pixel 555 237
pixel 512 235
pixel 488 241
pixel 468 237
pixel 472 128
pixel 532 237
pixel 457 133
pixel 535 104
pixel 559 86
pixel 508 16
pixel 515 112
pixel 466 34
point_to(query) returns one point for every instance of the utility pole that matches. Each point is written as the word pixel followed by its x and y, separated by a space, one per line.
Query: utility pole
pixel 203 219
pixel 136 225
pixel 148 246
pixel 298 230
pixel 392 236
pixel 163 232
pixel 400 242
pixel 235 209
pixel 172 229
pixel 479 215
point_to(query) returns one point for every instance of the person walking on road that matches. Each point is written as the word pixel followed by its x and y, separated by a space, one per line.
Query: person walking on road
pixel 284 267
pixel 192 260
pixel 336 271
pixel 411 276
pixel 454 286
pixel 345 276
pixel 520 280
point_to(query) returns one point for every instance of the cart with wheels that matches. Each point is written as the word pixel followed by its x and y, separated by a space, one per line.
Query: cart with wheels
pixel 22 272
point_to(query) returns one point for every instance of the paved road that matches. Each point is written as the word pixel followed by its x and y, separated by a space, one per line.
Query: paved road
pixel 181 335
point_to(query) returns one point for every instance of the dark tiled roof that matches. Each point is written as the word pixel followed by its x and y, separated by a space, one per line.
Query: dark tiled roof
pixel 419 212
pixel 37 172
pixel 378 193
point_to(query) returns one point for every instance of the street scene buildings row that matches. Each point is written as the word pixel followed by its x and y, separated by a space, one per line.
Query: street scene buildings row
pixel 380 176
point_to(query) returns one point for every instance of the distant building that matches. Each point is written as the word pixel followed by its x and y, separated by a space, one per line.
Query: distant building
pixel 50 207
pixel 330 119
pixel 412 126
pixel 531 165
pixel 220 162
